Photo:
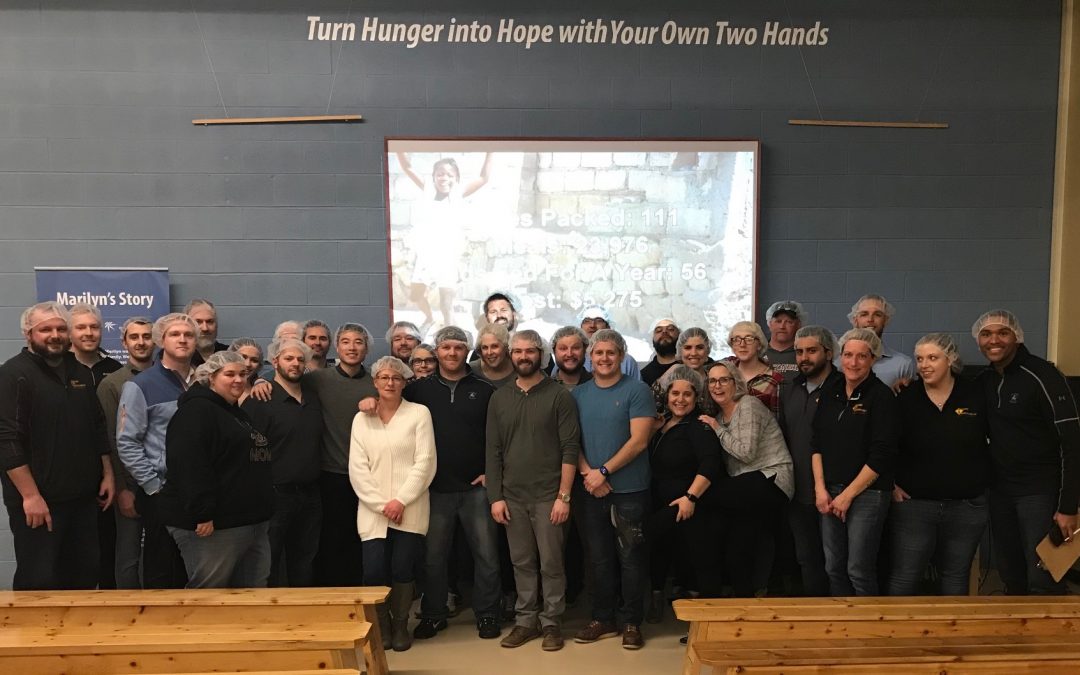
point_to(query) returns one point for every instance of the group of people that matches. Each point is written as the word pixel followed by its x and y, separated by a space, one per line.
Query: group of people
pixel 200 464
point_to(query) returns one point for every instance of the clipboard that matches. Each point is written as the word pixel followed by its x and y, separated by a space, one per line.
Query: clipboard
pixel 1057 560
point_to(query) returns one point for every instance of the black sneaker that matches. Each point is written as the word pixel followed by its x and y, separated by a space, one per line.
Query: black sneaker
pixel 488 627
pixel 427 628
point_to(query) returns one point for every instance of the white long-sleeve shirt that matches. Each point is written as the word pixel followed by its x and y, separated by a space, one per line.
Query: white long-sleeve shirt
pixel 392 461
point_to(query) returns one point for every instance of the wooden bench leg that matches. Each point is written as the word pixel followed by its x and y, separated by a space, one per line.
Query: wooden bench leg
pixel 691 664
pixel 374 656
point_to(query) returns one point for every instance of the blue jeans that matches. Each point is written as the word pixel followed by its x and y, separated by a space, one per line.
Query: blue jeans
pixel 851 547
pixel 294 534
pixel 472 509
pixel 234 557
pixel 1018 524
pixel 947 532
pixel 393 559
pixel 610 550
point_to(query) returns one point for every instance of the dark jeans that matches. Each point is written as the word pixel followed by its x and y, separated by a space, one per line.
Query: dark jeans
pixel 107 548
pixel 947 532
pixel 805 524
pixel 749 505
pixel 294 534
pixel 163 567
pixel 472 510
pixel 695 540
pixel 233 557
pixel 393 559
pixel 129 534
pixel 66 558
pixel 340 561
pixel 610 550
pixel 851 546
pixel 1018 524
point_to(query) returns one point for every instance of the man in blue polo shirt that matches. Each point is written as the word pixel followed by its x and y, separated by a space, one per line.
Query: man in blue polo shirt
pixel 613 494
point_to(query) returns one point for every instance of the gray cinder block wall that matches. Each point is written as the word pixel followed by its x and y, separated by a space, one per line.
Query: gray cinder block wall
pixel 100 165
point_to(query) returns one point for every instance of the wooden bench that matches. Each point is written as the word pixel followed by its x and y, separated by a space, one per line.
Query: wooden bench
pixel 166 631
pixel 882 635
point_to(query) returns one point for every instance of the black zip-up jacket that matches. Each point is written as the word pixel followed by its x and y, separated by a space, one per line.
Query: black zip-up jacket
pixel 219 465
pixel 856 431
pixel 55 426
pixel 459 417
pixel 1034 430
pixel 797 408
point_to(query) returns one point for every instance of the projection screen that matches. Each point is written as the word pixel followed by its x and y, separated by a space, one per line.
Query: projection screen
pixel 646 229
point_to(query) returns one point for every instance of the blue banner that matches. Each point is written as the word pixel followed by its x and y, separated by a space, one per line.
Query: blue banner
pixel 119 293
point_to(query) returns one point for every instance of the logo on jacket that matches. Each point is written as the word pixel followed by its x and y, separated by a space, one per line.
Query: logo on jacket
pixel 859 409
pixel 472 395
pixel 1015 398
pixel 965 412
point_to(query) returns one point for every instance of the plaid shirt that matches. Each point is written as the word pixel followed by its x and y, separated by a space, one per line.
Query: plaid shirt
pixel 766 388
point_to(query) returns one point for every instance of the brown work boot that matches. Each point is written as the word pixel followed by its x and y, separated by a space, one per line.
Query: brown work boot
pixel 596 630
pixel 631 637
pixel 553 640
pixel 520 635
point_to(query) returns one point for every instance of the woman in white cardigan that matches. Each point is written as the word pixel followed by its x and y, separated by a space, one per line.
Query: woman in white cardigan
pixel 391 464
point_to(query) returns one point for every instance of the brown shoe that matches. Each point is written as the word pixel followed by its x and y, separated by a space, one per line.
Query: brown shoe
pixel 520 635
pixel 553 640
pixel 596 630
pixel 631 637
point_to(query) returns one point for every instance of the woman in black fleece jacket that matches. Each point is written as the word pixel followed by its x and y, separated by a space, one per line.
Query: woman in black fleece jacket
pixel 218 496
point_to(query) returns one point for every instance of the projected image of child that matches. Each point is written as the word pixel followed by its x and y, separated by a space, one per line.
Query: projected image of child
pixel 438 233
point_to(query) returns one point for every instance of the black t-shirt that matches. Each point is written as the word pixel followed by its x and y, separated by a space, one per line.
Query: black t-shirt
pixel 294 430
pixel 653 370
pixel 944 453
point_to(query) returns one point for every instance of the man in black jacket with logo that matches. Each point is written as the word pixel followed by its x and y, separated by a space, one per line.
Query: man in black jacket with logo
pixel 54 457
pixel 1035 447
pixel 458 401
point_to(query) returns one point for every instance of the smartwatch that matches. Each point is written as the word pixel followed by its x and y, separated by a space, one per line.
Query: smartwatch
pixel 603 471
pixel 693 498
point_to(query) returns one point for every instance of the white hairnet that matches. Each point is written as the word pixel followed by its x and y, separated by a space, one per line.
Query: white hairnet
pixel 998 317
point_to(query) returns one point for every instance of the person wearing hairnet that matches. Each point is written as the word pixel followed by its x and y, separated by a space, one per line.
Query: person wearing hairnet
pixel 1035 447
pixel 939 510
pixel 875 312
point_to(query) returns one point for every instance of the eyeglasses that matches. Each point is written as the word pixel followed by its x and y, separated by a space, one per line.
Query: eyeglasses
pixel 743 340
pixel 387 379
pixel 717 381
pixel 429 361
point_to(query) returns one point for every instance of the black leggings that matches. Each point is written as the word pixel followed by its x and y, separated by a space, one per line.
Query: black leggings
pixel 748 505
pixel 695 540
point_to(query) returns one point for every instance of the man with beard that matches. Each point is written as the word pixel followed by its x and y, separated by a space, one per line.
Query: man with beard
pixel 403 337
pixel 86 342
pixel 664 336
pixel 498 309
pixel 784 318
pixel 54 457
pixel 617 414
pixel 494 364
pixel 458 402
pixel 138 339
pixel 316 335
pixel 874 312
pixel 292 422
pixel 532 452
pixel 147 405
pixel 568 352
pixel 814 350
pixel 203 312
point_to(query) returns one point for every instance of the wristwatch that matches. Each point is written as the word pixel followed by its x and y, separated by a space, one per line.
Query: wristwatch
pixel 693 498
pixel 603 471
pixel 564 497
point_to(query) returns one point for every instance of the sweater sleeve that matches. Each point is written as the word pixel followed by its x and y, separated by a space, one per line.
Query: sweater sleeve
pixel 423 468
pixel 14 406
pixel 493 453
pixel 189 444
pixel 741 437
pixel 361 475
pixel 566 413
